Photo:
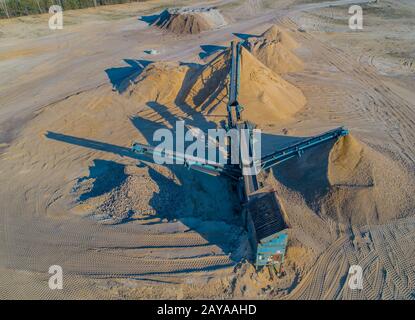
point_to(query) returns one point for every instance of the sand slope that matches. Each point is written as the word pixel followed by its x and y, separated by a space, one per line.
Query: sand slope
pixel 265 96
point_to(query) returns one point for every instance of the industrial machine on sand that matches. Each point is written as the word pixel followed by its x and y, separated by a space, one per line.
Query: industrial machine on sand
pixel 262 213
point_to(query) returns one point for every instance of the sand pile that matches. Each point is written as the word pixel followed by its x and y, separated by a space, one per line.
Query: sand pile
pixel 266 97
pixel 351 183
pixel 274 49
pixel 264 94
pixel 366 186
pixel 159 82
pixel 189 20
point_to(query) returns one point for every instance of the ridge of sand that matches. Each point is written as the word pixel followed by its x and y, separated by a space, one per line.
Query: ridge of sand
pixel 274 49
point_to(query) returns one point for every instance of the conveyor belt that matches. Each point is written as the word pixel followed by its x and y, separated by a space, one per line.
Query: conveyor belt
pixel 233 107
pixel 298 148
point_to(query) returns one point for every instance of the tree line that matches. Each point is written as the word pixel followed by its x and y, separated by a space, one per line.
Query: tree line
pixel 17 8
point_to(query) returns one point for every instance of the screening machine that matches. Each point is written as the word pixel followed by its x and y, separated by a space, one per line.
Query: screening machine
pixel 262 213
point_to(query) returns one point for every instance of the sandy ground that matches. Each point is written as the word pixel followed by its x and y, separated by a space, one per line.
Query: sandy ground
pixel 71 103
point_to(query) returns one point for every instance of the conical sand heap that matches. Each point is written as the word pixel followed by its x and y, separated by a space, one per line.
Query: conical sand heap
pixel 274 49
pixel 189 21
pixel 266 97
pixel 350 182
pixel 365 186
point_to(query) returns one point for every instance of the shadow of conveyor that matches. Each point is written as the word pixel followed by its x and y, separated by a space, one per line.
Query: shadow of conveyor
pixel 93 144
pixel 151 19
pixel 209 49
pixel 205 197
pixel 207 205
pixel 208 97
pixel 308 174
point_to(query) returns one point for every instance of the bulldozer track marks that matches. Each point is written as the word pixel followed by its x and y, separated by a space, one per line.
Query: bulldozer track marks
pixel 382 104
pixel 132 266
pixel 313 285
pixel 388 261
pixel 388 268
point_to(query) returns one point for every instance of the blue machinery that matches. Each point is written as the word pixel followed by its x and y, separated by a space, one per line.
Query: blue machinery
pixel 261 210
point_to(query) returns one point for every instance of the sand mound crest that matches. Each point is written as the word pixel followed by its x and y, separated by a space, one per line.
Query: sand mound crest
pixel 276 34
pixel 273 48
pixel 190 21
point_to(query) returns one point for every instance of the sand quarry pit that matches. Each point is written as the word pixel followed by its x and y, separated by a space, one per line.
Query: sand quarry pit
pixel 189 20
pixel 121 226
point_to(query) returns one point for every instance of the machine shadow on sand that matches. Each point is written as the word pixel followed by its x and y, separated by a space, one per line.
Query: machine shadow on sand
pixel 107 175
pixel 209 49
pixel 306 175
pixel 120 77
pixel 191 217
pixel 244 36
